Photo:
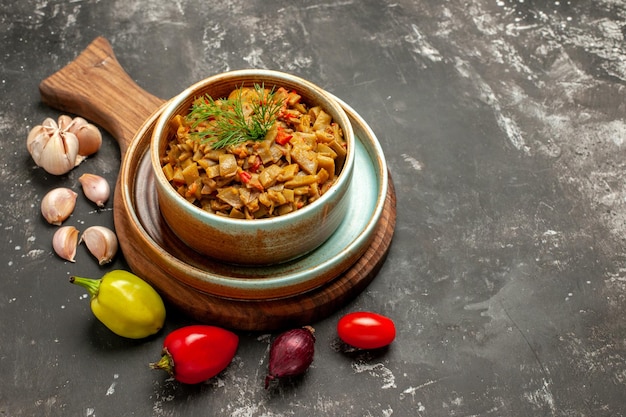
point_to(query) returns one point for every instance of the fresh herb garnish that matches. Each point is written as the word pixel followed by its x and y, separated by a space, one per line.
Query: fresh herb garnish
pixel 231 122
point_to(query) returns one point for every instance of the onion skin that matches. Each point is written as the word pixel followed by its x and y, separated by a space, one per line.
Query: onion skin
pixel 291 354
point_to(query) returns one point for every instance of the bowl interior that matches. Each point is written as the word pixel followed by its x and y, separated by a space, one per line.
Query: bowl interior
pixel 221 85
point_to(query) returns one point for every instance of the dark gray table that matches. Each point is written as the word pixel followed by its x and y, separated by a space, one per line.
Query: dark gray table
pixel 503 126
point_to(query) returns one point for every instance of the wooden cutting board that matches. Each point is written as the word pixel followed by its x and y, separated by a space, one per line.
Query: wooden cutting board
pixel 96 87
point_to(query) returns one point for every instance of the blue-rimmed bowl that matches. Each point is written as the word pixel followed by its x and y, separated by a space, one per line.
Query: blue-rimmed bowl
pixel 260 241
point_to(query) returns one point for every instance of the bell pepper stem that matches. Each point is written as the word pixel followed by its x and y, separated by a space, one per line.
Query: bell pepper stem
pixel 166 363
pixel 92 285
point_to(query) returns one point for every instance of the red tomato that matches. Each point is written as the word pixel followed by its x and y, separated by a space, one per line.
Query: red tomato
pixel 193 354
pixel 366 330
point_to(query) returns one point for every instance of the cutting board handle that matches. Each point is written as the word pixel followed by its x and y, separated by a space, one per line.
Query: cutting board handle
pixel 96 87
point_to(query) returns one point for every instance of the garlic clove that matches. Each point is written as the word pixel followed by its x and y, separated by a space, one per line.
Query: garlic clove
pixel 58 204
pixel 64 122
pixel 89 138
pixel 88 135
pixel 64 242
pixel 96 188
pixel 59 153
pixel 36 140
pixel 101 243
pixel 38 137
pixel 50 124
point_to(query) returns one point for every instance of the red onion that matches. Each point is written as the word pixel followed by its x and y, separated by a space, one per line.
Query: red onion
pixel 291 353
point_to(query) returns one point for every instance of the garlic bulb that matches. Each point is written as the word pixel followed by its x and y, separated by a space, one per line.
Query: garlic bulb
pixel 52 149
pixel 64 242
pixel 59 147
pixel 96 188
pixel 58 204
pixel 101 242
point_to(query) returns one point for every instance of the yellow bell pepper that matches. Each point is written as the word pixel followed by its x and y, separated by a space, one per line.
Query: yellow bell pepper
pixel 125 303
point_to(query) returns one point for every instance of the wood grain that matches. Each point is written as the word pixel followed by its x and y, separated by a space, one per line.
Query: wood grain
pixel 97 88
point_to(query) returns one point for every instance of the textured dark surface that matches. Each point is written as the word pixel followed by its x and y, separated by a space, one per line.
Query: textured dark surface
pixel 502 124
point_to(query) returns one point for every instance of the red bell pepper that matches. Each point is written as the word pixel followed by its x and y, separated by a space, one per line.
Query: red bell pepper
pixel 257 163
pixel 245 176
pixel 282 137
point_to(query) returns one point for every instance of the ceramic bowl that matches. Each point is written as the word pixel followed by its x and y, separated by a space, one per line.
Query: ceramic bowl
pixel 259 241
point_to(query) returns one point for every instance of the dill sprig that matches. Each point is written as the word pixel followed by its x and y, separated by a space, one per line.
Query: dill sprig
pixel 226 122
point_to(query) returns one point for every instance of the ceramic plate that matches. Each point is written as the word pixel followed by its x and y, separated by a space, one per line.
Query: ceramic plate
pixel 336 255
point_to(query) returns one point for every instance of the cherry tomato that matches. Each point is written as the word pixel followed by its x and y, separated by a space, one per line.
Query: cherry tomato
pixel 193 354
pixel 366 330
